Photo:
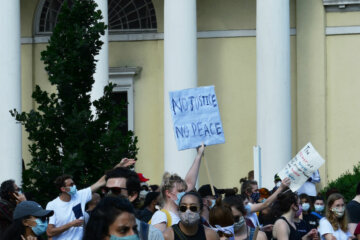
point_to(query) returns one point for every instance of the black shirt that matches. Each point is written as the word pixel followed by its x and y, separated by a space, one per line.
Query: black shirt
pixel 311 220
pixel 302 227
pixel 353 209
pixel 179 235
pixel 294 235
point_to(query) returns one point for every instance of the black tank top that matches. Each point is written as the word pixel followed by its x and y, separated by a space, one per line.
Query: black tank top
pixel 179 235
pixel 294 235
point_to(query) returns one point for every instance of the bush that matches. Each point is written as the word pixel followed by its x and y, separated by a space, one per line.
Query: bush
pixel 65 135
pixel 345 184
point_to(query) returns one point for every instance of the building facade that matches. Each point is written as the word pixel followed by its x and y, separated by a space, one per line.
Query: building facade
pixel 160 45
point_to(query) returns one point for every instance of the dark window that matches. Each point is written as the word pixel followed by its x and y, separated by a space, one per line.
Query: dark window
pixel 124 15
pixel 120 98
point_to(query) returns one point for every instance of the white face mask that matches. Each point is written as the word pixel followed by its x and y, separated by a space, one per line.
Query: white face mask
pixel 278 184
pixel 338 211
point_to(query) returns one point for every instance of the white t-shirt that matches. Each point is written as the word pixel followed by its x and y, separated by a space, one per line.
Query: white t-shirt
pixel 63 214
pixel 325 227
pixel 160 217
pixel 253 217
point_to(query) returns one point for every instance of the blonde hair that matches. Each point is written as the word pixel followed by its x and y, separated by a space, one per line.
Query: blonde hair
pixel 330 216
pixel 170 181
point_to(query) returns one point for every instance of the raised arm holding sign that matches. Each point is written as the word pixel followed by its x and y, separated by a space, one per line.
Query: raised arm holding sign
pixel 302 166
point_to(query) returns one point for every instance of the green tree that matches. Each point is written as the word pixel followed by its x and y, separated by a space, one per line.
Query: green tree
pixel 345 184
pixel 66 137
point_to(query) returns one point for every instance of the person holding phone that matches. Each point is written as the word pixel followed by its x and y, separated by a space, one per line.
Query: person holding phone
pixel 10 196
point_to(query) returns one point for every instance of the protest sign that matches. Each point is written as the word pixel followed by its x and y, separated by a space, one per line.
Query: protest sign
pixel 196 117
pixel 302 166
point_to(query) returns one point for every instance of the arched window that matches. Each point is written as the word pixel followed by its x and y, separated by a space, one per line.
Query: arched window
pixel 124 16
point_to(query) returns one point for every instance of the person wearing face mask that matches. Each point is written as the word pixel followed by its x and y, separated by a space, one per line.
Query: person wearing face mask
pixel 319 208
pixel 241 230
pixel 306 206
pixel 172 188
pixel 30 222
pixel 208 200
pixel 189 227
pixel 334 225
pixel 10 196
pixel 112 219
pixel 288 207
pixel 69 207
pixel 251 209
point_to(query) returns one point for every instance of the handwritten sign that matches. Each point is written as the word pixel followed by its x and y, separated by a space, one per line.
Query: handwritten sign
pixel 302 166
pixel 196 117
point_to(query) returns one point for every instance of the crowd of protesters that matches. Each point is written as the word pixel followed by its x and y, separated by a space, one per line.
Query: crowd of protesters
pixel 121 206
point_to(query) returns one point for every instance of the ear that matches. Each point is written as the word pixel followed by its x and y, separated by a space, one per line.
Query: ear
pixel 133 196
pixel 63 189
pixel 26 222
pixel 167 193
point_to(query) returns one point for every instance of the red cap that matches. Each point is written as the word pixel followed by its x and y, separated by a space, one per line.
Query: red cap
pixel 142 178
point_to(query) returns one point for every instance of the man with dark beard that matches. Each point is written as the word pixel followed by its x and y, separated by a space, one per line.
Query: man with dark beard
pixel 190 226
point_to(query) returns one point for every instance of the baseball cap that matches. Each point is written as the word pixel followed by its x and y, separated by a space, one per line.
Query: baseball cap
pixel 142 178
pixel 30 208
pixel 205 190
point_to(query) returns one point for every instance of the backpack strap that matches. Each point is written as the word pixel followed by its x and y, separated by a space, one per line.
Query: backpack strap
pixel 168 218
pixel 144 230
pixel 317 215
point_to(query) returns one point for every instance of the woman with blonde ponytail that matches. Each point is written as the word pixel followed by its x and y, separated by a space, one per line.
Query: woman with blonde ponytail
pixel 172 188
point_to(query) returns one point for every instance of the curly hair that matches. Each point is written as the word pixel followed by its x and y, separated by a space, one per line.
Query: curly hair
pixel 6 188
pixel 330 216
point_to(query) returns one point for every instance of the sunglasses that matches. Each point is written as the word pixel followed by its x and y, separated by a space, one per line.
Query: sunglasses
pixel 192 208
pixel 114 190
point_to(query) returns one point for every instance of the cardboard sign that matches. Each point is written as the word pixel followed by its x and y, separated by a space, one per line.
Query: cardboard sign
pixel 302 166
pixel 196 117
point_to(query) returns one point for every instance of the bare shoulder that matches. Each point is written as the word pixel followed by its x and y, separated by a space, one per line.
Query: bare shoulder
pixel 168 234
pixel 211 234
pixel 280 229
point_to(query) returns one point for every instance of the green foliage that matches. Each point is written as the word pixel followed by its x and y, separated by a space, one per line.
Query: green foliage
pixel 65 135
pixel 346 183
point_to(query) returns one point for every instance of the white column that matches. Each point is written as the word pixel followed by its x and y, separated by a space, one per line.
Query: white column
pixel 101 75
pixel 10 91
pixel 180 72
pixel 273 86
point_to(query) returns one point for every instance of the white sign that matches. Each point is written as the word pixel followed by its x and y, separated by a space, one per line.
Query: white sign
pixel 196 117
pixel 302 166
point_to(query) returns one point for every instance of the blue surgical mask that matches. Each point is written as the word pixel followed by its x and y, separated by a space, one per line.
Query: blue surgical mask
pixel 179 196
pixel 40 227
pixel 213 201
pixel 319 208
pixel 132 237
pixel 72 191
pixel 305 206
